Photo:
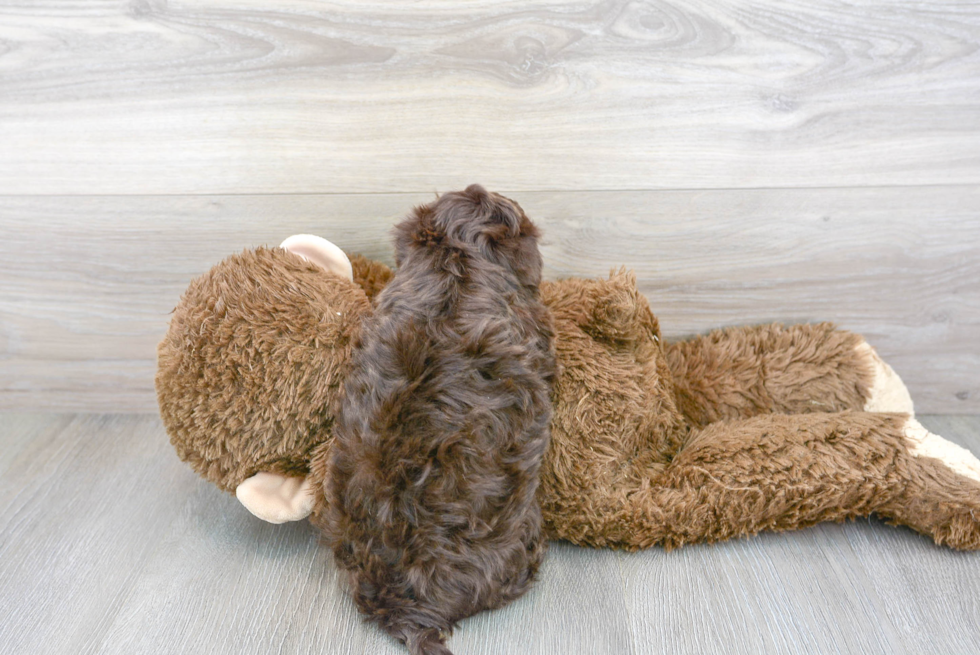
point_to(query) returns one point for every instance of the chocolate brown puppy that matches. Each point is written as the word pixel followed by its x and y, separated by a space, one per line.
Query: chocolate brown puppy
pixel 443 424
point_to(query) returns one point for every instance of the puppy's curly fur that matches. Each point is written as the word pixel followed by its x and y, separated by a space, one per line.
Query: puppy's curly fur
pixel 443 424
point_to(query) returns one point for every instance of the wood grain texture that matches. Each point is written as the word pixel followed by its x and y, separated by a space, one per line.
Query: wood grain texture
pixel 82 505
pixel 156 97
pixel 86 283
pixel 109 544
pixel 860 587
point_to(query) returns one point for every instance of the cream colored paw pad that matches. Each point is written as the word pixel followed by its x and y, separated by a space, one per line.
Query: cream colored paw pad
pixel 926 444
pixel 888 392
pixel 276 498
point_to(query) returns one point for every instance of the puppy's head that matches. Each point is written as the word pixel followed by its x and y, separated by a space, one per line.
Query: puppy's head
pixel 473 223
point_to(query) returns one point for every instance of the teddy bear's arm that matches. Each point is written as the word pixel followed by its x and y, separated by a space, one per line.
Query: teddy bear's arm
pixel 783 472
pixel 370 275
pixel 748 371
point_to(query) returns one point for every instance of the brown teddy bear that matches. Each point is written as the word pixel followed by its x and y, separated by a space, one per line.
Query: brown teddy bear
pixel 723 435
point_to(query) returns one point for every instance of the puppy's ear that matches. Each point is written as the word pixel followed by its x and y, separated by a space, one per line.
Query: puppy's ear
pixel 276 498
pixel 500 217
pixel 502 232
pixel 321 252
pixel 418 230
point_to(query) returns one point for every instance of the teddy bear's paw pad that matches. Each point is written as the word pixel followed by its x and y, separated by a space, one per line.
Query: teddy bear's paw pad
pixel 888 393
pixel 923 443
pixel 276 498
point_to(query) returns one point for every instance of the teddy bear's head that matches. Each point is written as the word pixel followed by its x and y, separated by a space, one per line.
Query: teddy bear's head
pixel 252 364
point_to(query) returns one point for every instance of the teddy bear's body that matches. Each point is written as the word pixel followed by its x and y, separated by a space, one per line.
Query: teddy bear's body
pixel 724 435
pixel 727 434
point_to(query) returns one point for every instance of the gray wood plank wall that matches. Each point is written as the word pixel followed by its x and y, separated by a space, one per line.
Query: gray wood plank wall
pixel 788 161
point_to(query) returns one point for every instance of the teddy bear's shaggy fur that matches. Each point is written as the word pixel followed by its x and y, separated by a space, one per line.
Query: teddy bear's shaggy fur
pixel 276 363
pixel 728 434
pixel 443 423
pixel 723 435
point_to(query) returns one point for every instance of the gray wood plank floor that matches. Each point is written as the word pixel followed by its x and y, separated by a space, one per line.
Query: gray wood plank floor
pixel 108 544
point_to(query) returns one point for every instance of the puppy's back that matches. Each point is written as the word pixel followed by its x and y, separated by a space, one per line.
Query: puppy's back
pixel 444 422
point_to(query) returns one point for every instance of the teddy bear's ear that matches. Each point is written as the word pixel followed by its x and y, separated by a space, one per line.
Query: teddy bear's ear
pixel 276 498
pixel 321 252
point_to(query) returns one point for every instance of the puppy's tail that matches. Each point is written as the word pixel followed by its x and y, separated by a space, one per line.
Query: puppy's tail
pixel 425 641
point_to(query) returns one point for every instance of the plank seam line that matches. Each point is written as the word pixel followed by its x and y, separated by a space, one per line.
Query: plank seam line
pixel 499 189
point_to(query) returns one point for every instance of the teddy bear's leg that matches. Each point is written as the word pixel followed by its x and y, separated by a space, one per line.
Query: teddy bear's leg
pixel 748 371
pixel 784 472
pixel 781 472
pixel 942 497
